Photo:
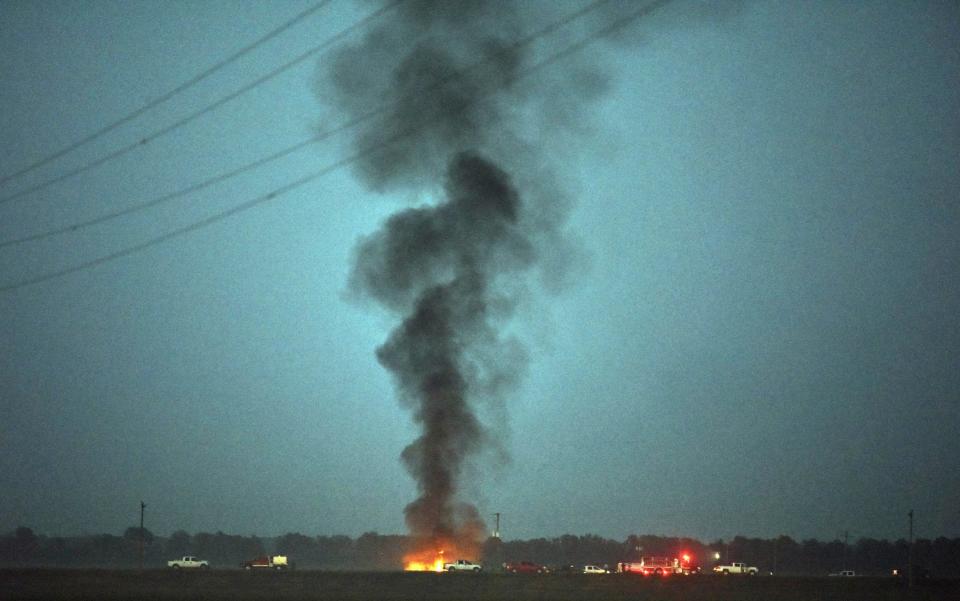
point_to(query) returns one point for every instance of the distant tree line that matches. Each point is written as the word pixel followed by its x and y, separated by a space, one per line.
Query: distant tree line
pixel 372 551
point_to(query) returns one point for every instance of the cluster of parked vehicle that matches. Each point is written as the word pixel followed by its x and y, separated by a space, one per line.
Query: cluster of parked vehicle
pixel 647 566
pixel 269 562
pixel 529 567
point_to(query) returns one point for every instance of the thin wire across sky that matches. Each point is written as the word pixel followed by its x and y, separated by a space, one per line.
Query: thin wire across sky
pixel 168 95
pixel 150 137
pixel 573 48
pixel 321 136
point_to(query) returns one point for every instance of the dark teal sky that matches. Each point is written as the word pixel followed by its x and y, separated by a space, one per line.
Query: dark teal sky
pixel 759 335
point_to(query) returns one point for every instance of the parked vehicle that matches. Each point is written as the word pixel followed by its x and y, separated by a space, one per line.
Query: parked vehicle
pixel 590 569
pixel 844 573
pixel 736 568
pixel 270 562
pixel 524 567
pixel 188 562
pixel 462 565
pixel 651 566
pixel 688 565
pixel 660 566
pixel 565 569
pixel 919 573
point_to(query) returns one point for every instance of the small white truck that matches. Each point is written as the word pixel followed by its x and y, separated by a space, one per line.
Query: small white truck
pixel 736 568
pixel 188 562
pixel 462 565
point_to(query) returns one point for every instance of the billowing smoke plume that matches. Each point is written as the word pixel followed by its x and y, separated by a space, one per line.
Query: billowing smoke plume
pixel 446 259
pixel 453 268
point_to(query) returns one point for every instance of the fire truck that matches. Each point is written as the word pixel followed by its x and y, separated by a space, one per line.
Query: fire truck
pixel 659 566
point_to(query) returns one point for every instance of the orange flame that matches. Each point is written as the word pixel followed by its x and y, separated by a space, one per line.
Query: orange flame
pixel 421 562
pixel 430 554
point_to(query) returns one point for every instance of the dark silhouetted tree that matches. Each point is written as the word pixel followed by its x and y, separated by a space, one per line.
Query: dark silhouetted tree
pixel 177 545
pixel 302 550
pixel 133 534
pixel 335 551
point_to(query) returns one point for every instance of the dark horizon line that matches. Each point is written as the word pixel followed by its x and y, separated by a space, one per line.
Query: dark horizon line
pixel 720 541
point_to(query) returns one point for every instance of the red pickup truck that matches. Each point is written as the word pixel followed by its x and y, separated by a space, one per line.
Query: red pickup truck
pixel 273 562
pixel 524 567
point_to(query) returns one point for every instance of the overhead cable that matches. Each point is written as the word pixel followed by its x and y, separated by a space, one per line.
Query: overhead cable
pixel 167 96
pixel 206 109
pixel 569 50
pixel 380 110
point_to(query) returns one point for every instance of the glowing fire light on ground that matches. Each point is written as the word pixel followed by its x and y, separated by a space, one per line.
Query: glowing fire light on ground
pixel 427 557
pixel 418 566
pixel 421 562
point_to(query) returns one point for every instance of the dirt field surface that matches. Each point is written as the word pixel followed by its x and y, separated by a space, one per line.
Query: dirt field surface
pixel 157 585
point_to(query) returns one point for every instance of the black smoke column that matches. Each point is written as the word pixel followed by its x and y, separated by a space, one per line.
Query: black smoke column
pixel 445 258
pixel 453 267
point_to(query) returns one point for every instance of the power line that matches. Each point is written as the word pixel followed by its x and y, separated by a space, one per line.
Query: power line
pixel 569 50
pixel 208 108
pixel 167 96
pixel 162 199
pixel 524 41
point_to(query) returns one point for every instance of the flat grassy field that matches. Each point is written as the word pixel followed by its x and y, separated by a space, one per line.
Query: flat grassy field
pixel 163 585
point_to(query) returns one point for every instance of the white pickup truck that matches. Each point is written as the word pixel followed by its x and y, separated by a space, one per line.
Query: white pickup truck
pixel 462 565
pixel 736 568
pixel 188 562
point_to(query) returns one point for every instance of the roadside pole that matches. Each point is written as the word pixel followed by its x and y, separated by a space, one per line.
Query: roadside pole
pixel 910 552
pixel 142 507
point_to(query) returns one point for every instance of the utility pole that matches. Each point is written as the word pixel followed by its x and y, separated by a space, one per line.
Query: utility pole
pixel 910 552
pixel 142 507
pixel 496 531
pixel 846 542
pixel 776 543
